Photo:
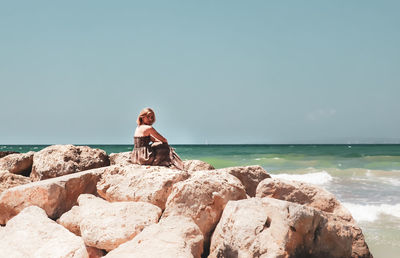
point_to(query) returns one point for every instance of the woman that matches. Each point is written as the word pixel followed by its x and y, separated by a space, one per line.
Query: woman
pixel 159 153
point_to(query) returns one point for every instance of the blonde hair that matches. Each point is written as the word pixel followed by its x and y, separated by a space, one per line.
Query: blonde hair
pixel 145 112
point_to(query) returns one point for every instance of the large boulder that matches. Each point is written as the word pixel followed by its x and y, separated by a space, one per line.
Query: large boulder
pixel 196 165
pixel 55 196
pixel 266 227
pixel 9 180
pixel 203 197
pixel 17 163
pixel 170 238
pixel 60 160
pixel 151 184
pixel 320 199
pixel 106 225
pixel 122 158
pixel 250 176
pixel 33 234
pixel 302 193
pixel 5 153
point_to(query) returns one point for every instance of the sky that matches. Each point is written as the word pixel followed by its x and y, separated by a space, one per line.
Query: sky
pixel 216 72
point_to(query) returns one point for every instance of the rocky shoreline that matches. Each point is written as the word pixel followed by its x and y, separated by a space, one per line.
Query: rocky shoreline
pixel 75 201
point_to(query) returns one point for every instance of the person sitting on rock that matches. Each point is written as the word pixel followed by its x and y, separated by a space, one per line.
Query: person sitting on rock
pixel 150 147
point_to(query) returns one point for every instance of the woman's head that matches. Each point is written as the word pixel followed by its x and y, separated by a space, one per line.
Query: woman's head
pixel 146 116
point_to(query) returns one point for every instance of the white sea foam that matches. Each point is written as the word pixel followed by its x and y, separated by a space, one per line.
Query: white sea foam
pixel 318 178
pixel 371 213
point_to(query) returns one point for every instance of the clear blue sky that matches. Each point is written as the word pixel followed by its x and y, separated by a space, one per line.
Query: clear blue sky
pixel 213 71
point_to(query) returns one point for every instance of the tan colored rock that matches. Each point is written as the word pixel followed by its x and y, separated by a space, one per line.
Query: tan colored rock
pixel 60 160
pixel 139 183
pixel 32 234
pixel 320 199
pixel 170 238
pixel 302 193
pixel 273 228
pixel 5 153
pixel 94 252
pixel 196 165
pixel 17 163
pixel 71 220
pixel 203 197
pixel 106 225
pixel 122 158
pixel 9 180
pixel 55 196
pixel 250 176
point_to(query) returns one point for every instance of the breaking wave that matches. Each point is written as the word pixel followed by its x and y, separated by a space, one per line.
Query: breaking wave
pixel 370 213
pixel 318 178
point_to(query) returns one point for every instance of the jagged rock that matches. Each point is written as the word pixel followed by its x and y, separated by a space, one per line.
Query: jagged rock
pixel 122 158
pixel 55 196
pixel 170 238
pixel 32 234
pixel 5 153
pixel 9 180
pixel 71 220
pixel 196 165
pixel 250 176
pixel 106 225
pixel 17 163
pixel 266 227
pixel 302 193
pixel 151 184
pixel 318 198
pixel 203 197
pixel 60 160
pixel 94 252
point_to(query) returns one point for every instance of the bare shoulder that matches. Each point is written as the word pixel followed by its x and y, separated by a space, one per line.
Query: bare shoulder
pixel 143 130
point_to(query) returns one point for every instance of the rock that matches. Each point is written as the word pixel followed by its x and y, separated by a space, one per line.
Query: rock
pixel 203 197
pixel 151 184
pixel 196 165
pixel 106 225
pixel 55 196
pixel 9 180
pixel 250 176
pixel 5 153
pixel 71 220
pixel 60 160
pixel 170 238
pixel 32 234
pixel 17 163
pixel 273 228
pixel 302 193
pixel 320 199
pixel 94 252
pixel 122 158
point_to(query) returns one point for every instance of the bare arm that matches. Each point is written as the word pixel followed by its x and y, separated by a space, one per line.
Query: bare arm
pixel 155 136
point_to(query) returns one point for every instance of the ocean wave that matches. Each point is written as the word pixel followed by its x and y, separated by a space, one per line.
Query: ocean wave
pixel 370 213
pixel 318 178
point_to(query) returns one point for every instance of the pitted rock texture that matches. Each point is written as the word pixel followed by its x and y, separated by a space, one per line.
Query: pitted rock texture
pixel 32 234
pixel 17 163
pixel 9 180
pixel 55 196
pixel 60 160
pixel 151 184
pixel 203 197
pixel 106 225
pixel 170 238
pixel 266 227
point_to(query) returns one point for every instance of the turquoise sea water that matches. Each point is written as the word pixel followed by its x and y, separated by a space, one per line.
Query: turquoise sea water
pixel 365 178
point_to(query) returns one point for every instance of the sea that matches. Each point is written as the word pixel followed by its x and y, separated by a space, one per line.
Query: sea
pixel 364 177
